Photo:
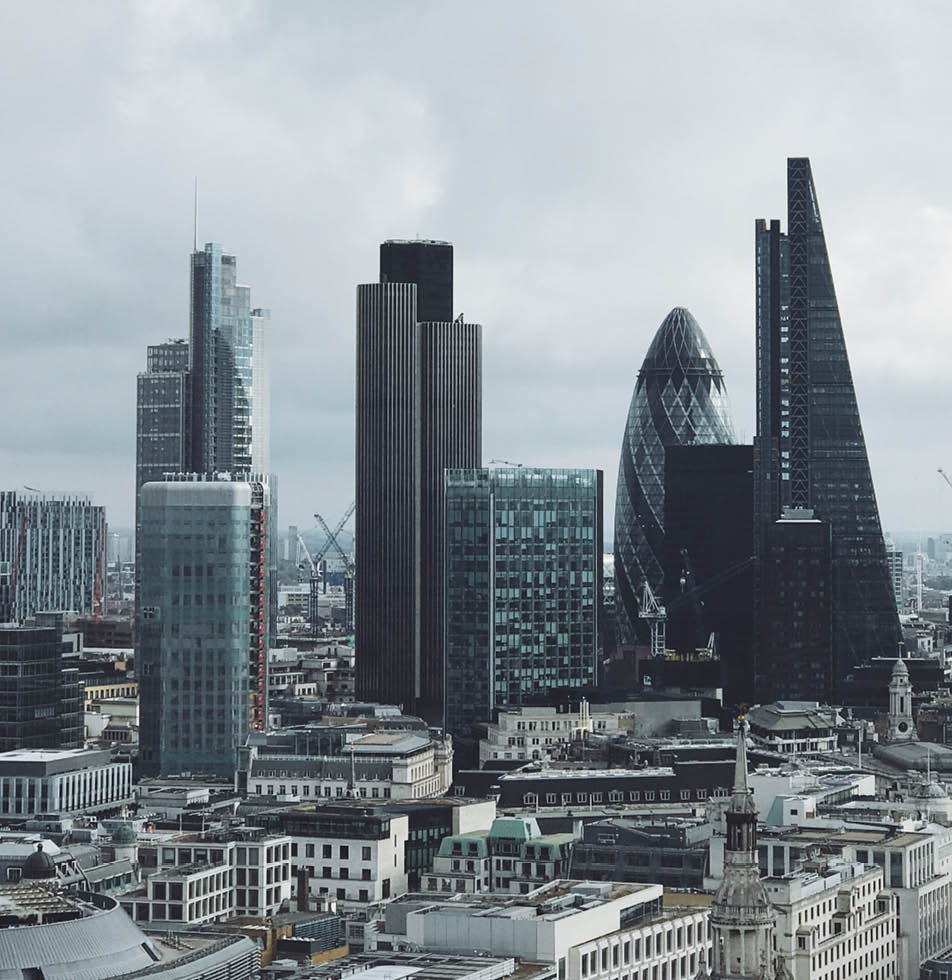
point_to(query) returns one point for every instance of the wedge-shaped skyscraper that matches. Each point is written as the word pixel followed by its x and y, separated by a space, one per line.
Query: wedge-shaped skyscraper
pixel 810 458
pixel 679 400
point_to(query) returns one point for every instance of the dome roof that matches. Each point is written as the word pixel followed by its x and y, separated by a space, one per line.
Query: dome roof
pixel 124 834
pixel 680 350
pixel 38 866
pixel 900 670
pixel 928 791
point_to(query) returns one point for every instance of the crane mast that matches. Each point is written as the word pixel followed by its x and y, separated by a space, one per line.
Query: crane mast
pixel 654 612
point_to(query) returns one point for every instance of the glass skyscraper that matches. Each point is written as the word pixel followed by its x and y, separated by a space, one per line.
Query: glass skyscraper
pixel 203 623
pixel 810 453
pixel 223 367
pixel 163 417
pixel 680 399
pixel 40 703
pixel 523 586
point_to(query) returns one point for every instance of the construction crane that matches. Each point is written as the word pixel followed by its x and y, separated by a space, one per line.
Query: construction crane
pixel 945 476
pixel 331 539
pixel 505 462
pixel 654 612
pixel 318 562
pixel 307 555
pixel 689 593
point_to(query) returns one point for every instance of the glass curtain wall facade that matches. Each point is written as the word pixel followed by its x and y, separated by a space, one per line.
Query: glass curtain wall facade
pixel 261 391
pixel 811 452
pixel 428 264
pixel 708 570
pixel 163 418
pixel 523 586
pixel 204 623
pixel 162 412
pixel 680 398
pixel 223 367
pixel 39 700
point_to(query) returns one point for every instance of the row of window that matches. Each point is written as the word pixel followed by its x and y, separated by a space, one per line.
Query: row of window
pixel 375 792
pixel 616 796
pixel 328 849
pixel 634 950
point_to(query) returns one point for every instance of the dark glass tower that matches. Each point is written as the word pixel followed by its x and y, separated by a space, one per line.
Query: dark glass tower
pixel 810 450
pixel 795 655
pixel 163 419
pixel 40 705
pixel 430 266
pixel 679 399
pixel 523 587
pixel 418 413
pixel 708 558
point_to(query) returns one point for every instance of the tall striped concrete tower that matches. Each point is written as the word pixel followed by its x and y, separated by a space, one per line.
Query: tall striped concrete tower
pixel 419 389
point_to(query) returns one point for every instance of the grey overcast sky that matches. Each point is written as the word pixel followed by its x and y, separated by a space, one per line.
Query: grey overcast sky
pixel 594 163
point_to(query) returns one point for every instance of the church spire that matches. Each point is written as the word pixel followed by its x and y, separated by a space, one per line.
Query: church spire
pixel 740 763
pixel 741 917
pixel 743 799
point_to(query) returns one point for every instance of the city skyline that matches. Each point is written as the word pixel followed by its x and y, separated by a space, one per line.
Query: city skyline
pixel 553 263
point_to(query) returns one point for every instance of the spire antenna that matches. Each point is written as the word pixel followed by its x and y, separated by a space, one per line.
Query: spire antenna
pixel 195 218
pixel 740 763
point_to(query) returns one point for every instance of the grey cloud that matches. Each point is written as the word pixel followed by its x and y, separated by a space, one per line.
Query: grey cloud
pixel 595 165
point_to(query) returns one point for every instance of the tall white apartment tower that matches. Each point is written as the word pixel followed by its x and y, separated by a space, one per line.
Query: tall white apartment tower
pixel 894 560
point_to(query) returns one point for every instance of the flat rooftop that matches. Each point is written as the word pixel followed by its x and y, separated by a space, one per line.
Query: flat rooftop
pixel 651 772
pixel 528 906
pixel 48 755
pixel 421 966
pixel 22 900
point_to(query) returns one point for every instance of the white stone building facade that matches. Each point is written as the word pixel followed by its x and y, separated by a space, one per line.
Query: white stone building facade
pixel 835 921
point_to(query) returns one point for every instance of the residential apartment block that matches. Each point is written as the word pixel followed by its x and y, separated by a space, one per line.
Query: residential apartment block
pixel 52 554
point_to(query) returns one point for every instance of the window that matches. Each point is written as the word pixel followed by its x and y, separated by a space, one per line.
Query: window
pixel 344 852
pixel 365 854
